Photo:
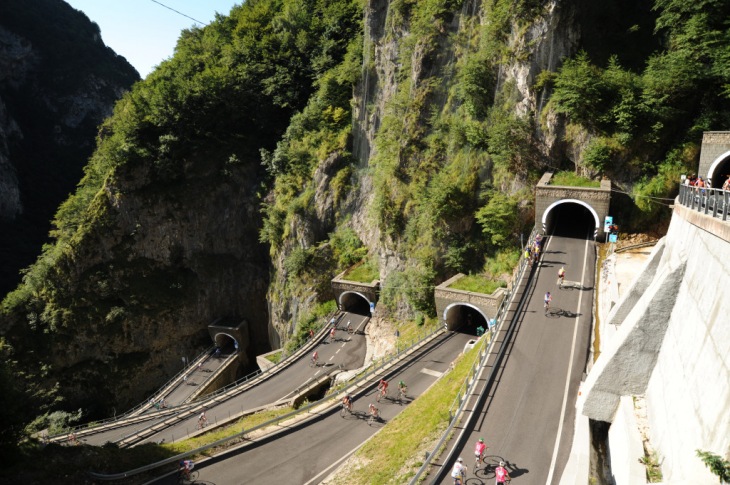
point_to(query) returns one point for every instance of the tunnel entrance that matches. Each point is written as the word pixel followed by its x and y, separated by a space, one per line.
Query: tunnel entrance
pixel 353 302
pixel 571 218
pixel 719 171
pixel 226 343
pixel 464 318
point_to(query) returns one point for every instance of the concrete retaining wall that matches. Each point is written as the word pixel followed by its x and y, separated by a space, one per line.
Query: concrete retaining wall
pixel 674 347
pixel 626 446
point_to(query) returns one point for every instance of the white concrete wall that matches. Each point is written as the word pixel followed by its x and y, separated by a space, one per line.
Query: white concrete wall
pixel 688 396
pixel 673 345
pixel 626 447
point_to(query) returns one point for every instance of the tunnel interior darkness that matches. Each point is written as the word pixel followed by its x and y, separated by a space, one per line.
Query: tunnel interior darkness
pixel 720 173
pixel 355 303
pixel 226 343
pixel 465 319
pixel 570 220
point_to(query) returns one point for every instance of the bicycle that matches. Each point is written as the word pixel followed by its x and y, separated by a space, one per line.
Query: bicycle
pixel 402 394
pixel 313 362
pixel 381 394
pixel 187 476
pixel 373 418
pixel 345 409
pixel 547 307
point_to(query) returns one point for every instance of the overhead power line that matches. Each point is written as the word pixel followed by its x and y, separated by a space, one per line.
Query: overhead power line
pixel 179 12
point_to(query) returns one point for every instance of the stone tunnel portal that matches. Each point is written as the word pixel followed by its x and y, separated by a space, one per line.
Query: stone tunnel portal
pixel 464 318
pixel 571 218
pixel 355 302
pixel 719 170
pixel 226 343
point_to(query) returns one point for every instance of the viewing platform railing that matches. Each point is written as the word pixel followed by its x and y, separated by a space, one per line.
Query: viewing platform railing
pixel 713 202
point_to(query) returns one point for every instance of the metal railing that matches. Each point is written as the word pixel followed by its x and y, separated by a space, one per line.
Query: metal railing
pixel 131 412
pixel 471 379
pixel 365 375
pixel 90 427
pixel 713 202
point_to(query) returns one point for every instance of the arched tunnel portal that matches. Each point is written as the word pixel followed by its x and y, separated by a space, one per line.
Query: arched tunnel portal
pixel 719 170
pixel 464 318
pixel 355 302
pixel 226 343
pixel 571 218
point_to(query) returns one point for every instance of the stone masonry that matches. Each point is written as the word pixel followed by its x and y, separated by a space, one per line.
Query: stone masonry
pixel 599 199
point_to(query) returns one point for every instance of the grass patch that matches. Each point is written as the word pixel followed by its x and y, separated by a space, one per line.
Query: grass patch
pixel 477 284
pixel 395 453
pixel 275 357
pixel 412 330
pixel 232 429
pixel 365 272
pixel 570 179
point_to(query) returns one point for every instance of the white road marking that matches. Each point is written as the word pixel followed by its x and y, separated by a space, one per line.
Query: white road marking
pixel 430 372
pixel 332 357
pixel 570 370
pixel 338 351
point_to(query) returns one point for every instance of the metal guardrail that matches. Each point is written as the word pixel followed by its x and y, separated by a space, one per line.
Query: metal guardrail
pixel 130 413
pixel 482 355
pixel 373 368
pixel 713 202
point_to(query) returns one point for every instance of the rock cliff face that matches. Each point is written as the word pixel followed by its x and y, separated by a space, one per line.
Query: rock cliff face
pixel 53 95
pixel 168 261
pixel 538 46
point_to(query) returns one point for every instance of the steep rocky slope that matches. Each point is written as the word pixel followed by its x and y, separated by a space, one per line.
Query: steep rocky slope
pixel 58 81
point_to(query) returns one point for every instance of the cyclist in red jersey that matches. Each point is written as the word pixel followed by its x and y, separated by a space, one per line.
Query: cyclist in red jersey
pixel 501 474
pixel 479 450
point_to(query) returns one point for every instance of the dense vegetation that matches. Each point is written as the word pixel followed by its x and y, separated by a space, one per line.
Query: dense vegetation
pixel 264 98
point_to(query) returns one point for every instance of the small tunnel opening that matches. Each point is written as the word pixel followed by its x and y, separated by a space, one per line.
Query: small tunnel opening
pixel 572 220
pixel 465 319
pixel 355 303
pixel 227 344
pixel 720 174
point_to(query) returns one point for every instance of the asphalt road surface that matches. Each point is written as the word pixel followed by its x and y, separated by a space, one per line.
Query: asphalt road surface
pixel 347 351
pixel 528 420
pixel 306 454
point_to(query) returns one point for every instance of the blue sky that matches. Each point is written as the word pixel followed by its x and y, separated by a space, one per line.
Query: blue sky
pixel 144 31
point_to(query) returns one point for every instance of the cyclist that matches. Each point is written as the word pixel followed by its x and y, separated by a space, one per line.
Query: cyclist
pixel 383 387
pixel 347 402
pixel 536 252
pixel 402 388
pixel 528 254
pixel 561 276
pixel 332 333
pixel 315 357
pixel 548 299
pixel 479 450
pixel 373 412
pixel 349 326
pixel 458 473
pixel 202 420
pixel 501 474
pixel 186 466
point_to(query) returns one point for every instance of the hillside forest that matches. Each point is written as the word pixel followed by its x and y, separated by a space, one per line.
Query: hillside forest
pixel 291 139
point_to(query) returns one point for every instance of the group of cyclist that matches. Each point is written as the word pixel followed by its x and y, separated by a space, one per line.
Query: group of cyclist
pixel 533 251
pixel 381 391
pixel 458 472
pixel 548 296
